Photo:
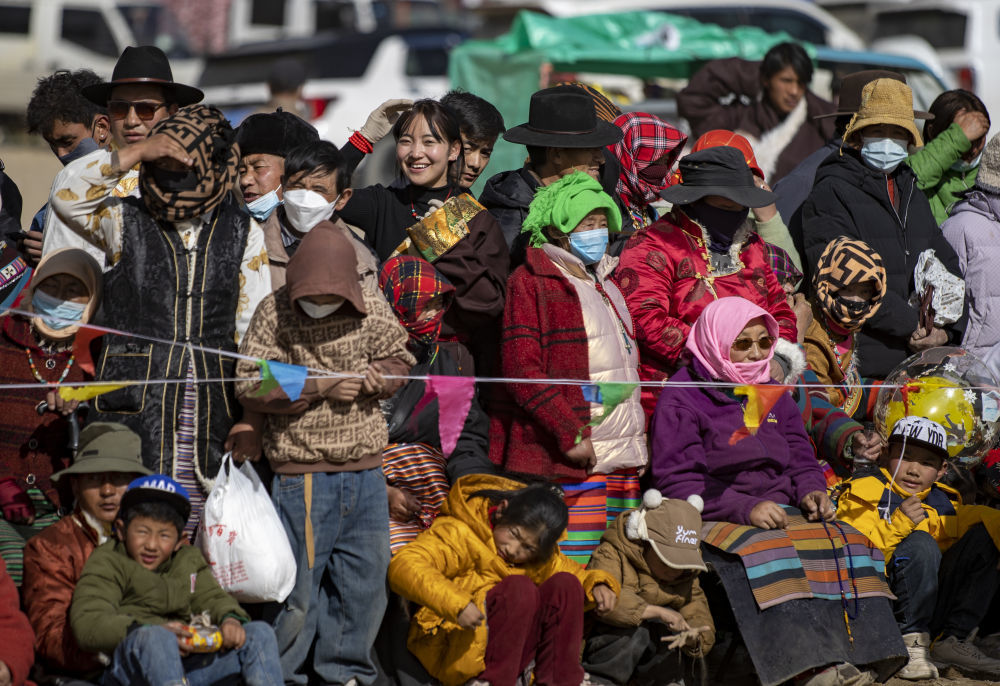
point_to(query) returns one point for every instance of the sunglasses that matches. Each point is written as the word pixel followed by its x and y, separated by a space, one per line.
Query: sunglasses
pixel 744 344
pixel 119 109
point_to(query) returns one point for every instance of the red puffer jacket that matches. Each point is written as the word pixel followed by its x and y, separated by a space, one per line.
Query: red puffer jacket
pixel 666 276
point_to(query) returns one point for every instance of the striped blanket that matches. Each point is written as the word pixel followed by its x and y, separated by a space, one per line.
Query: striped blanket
pixel 805 560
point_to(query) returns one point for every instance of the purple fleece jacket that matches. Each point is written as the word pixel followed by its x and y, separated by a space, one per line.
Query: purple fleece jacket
pixel 691 452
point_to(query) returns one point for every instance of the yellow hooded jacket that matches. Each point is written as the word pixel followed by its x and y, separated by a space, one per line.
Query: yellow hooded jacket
pixel 862 505
pixel 455 562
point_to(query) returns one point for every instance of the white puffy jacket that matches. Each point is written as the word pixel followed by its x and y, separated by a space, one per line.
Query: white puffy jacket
pixel 620 440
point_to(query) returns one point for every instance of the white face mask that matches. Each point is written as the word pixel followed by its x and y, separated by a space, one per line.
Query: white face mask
pixel 319 311
pixel 305 209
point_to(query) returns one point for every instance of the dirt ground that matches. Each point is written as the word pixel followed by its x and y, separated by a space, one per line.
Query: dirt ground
pixel 32 167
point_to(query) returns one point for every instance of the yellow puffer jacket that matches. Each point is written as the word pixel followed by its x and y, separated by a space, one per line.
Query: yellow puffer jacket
pixel 862 505
pixel 455 562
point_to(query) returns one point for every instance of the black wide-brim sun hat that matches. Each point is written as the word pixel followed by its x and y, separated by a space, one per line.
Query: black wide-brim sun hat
pixel 722 171
pixel 563 117
pixel 143 65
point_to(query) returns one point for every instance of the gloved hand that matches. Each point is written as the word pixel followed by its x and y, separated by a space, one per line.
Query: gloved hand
pixel 16 504
pixel 380 121
pixel 433 206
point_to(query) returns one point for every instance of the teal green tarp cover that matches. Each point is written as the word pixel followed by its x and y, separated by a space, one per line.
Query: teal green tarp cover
pixel 507 70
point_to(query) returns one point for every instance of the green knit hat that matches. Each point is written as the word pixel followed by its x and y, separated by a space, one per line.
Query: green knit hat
pixel 565 203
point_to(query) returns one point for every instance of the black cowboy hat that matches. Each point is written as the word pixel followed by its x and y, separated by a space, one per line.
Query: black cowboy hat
pixel 851 86
pixel 720 170
pixel 563 117
pixel 145 64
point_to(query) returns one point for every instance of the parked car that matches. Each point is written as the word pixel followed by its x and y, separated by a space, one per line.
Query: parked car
pixel 347 77
pixel 37 37
pixel 965 34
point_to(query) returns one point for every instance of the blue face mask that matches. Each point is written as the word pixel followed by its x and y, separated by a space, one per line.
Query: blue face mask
pixel 84 147
pixel 54 310
pixel 963 166
pixel 589 246
pixel 262 207
pixel 884 154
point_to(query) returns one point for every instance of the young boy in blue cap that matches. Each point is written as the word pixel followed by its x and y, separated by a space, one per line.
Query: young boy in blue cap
pixel 138 593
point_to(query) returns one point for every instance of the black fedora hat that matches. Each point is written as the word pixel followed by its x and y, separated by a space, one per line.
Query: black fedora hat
pixel 145 64
pixel 563 117
pixel 849 101
pixel 721 170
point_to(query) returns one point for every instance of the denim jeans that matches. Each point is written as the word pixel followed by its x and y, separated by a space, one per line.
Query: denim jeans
pixel 149 655
pixel 339 603
pixel 943 594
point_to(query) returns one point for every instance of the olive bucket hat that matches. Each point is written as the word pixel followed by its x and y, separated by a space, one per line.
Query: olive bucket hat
pixel 107 447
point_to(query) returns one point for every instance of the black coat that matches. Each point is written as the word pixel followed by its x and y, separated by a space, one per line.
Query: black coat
pixel 851 199
pixel 471 454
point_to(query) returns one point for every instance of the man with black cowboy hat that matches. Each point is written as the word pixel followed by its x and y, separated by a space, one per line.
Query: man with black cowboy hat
pixel 563 134
pixel 109 458
pixel 703 250
pixel 142 91
pixel 190 267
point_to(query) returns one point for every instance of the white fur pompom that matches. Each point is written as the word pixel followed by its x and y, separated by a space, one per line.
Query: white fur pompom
pixel 652 499
pixel 696 502
pixel 632 524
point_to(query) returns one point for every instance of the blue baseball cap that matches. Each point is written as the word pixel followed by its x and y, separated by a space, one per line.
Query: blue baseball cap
pixel 157 487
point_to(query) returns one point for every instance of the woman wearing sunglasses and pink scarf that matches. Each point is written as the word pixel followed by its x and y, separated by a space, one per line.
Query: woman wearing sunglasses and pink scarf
pixel 699 441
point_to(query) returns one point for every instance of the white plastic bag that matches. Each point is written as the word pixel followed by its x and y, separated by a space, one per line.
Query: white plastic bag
pixel 243 539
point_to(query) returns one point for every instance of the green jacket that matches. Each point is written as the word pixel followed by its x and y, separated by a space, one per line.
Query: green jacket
pixel 942 185
pixel 116 592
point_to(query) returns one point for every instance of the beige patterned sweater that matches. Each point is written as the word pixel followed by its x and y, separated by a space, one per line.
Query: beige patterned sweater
pixel 326 431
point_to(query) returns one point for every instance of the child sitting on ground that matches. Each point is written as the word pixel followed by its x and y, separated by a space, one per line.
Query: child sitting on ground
pixel 653 552
pixel 941 555
pixel 496 592
pixel 848 288
pixel 138 593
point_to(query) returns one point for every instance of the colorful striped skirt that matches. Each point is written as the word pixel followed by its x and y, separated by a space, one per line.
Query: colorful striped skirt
pixel 418 469
pixel 593 506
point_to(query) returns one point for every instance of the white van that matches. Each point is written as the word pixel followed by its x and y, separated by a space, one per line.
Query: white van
pixel 965 33
pixel 37 37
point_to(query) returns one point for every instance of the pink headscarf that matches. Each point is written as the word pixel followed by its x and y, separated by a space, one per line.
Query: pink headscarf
pixel 712 335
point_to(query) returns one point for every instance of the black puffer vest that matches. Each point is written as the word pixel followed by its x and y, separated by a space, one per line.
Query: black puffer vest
pixel 161 290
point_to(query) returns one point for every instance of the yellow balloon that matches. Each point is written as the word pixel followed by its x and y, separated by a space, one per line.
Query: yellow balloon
pixel 940 400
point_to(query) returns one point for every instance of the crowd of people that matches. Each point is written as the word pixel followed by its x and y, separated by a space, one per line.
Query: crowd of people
pixel 666 435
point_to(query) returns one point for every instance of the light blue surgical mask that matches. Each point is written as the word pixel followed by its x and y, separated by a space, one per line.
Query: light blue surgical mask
pixel 589 246
pixel 963 166
pixel 884 154
pixel 56 314
pixel 262 207
pixel 84 147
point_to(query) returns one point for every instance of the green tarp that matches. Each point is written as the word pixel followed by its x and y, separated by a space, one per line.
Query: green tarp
pixel 507 70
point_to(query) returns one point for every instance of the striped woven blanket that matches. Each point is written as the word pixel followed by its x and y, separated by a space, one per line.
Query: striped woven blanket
pixel 806 560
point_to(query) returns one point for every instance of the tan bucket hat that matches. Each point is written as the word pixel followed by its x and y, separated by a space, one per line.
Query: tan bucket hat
pixel 885 101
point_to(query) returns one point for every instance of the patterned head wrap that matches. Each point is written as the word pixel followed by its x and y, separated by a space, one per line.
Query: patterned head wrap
pixel 647 139
pixel 409 284
pixel 781 264
pixel 564 204
pixel 603 106
pixel 209 139
pixel 846 262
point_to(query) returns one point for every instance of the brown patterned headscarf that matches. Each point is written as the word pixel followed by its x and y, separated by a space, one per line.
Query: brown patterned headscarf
pixel 846 262
pixel 205 133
